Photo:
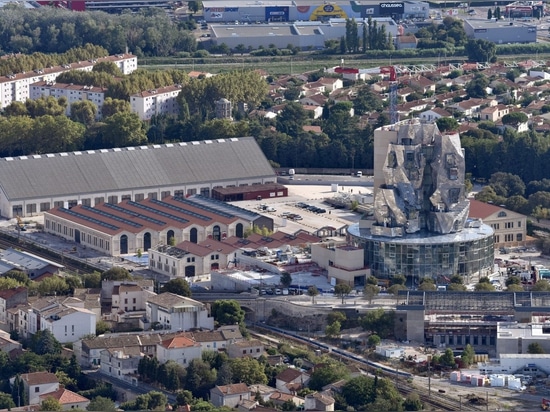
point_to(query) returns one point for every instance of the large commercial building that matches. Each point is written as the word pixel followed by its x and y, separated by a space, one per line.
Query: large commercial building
pixel 126 227
pixel 421 226
pixel 36 183
pixel 501 31
pixel 302 34
pixel 216 11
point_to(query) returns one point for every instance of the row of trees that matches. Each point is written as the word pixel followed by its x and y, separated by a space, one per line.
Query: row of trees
pixel 373 37
pixel 149 32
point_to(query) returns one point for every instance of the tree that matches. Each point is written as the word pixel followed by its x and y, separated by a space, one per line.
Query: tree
pixel 312 291
pixel 359 391
pixel 286 279
pixel 336 316
pixel 484 285
pixel 398 280
pixel 342 290
pixel 113 106
pixel 394 289
pixel 179 286
pixel 43 342
pixel 380 322
pixel 412 401
pixel 99 403
pixel 427 284
pixel 333 330
pixel 18 392
pixel 535 348
pixel 448 358
pixel 447 124
pixel 468 355
pixel 6 401
pixel 373 340
pixel 497 13
pixel 291 119
pixel 102 327
pixel 51 404
pixel 370 291
pixel 83 112
pixel 480 50
pixel 328 372
pixel 541 286
pixel 200 377
pixel 514 118
pixel 477 87
pixel 512 280
pixel 247 370
pixel 489 14
pixel 116 273
pixel 194 6
pixel 123 129
pixel 227 312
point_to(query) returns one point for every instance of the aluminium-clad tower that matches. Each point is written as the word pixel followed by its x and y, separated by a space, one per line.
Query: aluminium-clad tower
pixel 421 226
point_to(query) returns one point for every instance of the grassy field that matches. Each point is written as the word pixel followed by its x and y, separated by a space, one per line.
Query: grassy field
pixel 293 64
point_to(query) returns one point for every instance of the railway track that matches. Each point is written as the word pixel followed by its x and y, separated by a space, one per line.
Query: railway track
pixel 71 265
pixel 434 399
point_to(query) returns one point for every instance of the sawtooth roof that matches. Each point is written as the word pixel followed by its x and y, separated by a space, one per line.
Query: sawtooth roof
pixel 107 170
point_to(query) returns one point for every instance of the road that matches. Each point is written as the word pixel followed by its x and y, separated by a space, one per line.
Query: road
pixel 140 389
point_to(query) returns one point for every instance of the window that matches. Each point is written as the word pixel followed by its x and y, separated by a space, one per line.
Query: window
pixel 509 225
pixel 37 389
pixel 178 193
pixel 191 192
pixel 519 237
pixel 139 197
pixel 126 197
pixel 31 208
pixel 44 206
pixel 112 199
pixel 87 202
pixel 152 195
pixel 134 300
pixel 190 259
pixel 502 214
pixel 164 194
pixel 519 223
pixel 98 200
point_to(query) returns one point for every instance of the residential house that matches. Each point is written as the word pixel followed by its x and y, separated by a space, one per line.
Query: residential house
pixel 67 399
pixel 129 304
pixel 121 363
pixel 88 351
pixel 432 115
pixel 37 384
pixel 316 110
pixel 421 83
pixel 494 113
pixel 68 324
pixel 90 299
pixel 7 344
pixel 408 108
pixel 229 395
pixel 313 88
pixel 10 298
pixel 252 348
pixel 470 107
pixel 510 227
pixel 314 100
pixel 406 42
pixel 178 313
pixel 180 348
pixel 291 380
pixel 279 398
pixel 331 83
pixel 261 390
pixel 108 286
pixel 214 340
pixel 319 401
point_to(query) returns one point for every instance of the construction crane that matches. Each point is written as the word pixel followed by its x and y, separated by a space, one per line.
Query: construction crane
pixel 391 72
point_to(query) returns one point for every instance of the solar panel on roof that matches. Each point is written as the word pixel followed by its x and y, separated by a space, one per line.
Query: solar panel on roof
pixel 134 214
pixel 179 209
pixel 114 217
pixel 226 205
pixel 88 218
pixel 159 212
pixel 203 207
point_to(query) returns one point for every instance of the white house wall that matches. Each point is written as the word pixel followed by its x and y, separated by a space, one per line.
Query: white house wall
pixel 72 327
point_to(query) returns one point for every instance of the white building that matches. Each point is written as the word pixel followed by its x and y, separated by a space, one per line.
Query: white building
pixel 72 92
pixel 68 324
pixel 120 363
pixel 129 301
pixel 190 259
pixel 16 87
pixel 344 263
pixel 152 102
pixel 178 313
pixel 38 383
pixel 180 349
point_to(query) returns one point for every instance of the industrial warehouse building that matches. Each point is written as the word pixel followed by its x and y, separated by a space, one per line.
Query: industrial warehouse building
pixel 501 32
pixel 34 184
pixel 301 34
pixel 126 227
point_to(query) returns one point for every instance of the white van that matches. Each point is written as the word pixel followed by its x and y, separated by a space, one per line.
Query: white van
pixel 359 174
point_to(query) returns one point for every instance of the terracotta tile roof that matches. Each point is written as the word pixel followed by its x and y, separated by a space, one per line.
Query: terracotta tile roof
pixel 482 210
pixel 234 388
pixel 178 342
pixel 281 397
pixel 65 397
pixel 8 293
pixel 39 378
pixel 288 375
